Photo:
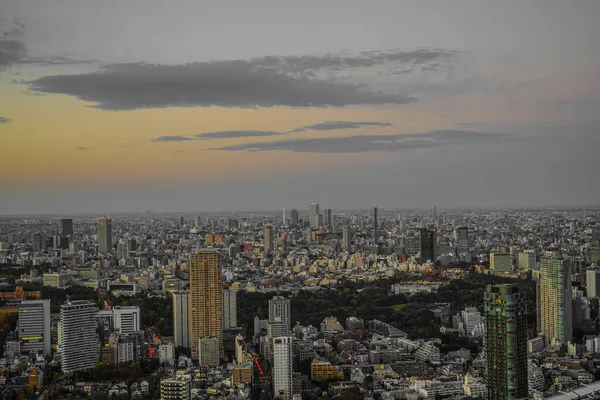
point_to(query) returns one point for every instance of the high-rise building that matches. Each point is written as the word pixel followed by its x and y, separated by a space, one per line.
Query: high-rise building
pixel 181 319
pixel 122 252
pixel 346 239
pixel 66 227
pixel 375 222
pixel 501 262
pixel 34 325
pixel 555 300
pixel 294 217
pixel 279 307
pixel 269 239
pixel 527 260
pixel 208 351
pixel 428 245
pixel 592 282
pixel 39 242
pixel 282 368
pixel 126 319
pixel 79 344
pixel 131 245
pixel 328 217
pixel 314 216
pixel 229 309
pixel 104 235
pixel 206 298
pixel 463 239
pixel 505 342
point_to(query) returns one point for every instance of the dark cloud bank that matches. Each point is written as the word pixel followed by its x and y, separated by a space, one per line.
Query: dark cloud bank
pixel 4 120
pixel 261 82
pixel 367 143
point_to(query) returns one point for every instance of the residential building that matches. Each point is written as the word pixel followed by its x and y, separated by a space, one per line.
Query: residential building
pixel 181 319
pixel 229 308
pixel 279 307
pixel 79 345
pixel 104 235
pixel 33 326
pixel 555 300
pixel 282 368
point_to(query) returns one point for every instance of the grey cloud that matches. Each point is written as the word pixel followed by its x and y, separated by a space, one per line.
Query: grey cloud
pixel 367 143
pixel 235 134
pixel 82 148
pixel 172 139
pixel 12 49
pixel 334 125
pixel 4 120
pixel 260 82
pixel 468 124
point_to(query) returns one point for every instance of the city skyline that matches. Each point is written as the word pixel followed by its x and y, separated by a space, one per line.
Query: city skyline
pixel 418 103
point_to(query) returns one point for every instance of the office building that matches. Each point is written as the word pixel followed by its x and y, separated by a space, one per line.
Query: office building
pixel 269 239
pixel 282 368
pixel 555 300
pixel 328 217
pixel 33 326
pixel 428 245
pixel 181 318
pixel 126 319
pixel 229 309
pixel 279 308
pixel 501 262
pixel 314 216
pixel 505 342
pixel 122 252
pixel 592 283
pixel 208 351
pixel 39 242
pixel 347 239
pixel 131 245
pixel 79 345
pixel 66 227
pixel 294 217
pixel 527 260
pixel 178 387
pixel 463 239
pixel 206 298
pixel 104 235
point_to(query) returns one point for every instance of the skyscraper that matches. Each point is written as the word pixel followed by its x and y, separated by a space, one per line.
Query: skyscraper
pixel 39 242
pixel 327 217
pixel 314 215
pixel 268 239
pixel 282 368
pixel 206 298
pixel 463 239
pixel 33 326
pixel 229 309
pixel 104 235
pixel 375 215
pixel 294 217
pixel 79 344
pixel 346 239
pixel 279 307
pixel 505 342
pixel 181 319
pixel 527 260
pixel 66 227
pixel 592 282
pixel 555 300
pixel 428 245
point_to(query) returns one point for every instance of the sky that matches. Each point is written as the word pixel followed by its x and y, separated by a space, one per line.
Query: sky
pixel 204 106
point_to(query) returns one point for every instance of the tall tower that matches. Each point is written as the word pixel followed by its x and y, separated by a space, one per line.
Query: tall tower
pixel 79 344
pixel 428 245
pixel 294 217
pixel 346 239
pixel 328 217
pixel 229 309
pixel 283 217
pixel 314 215
pixel 104 235
pixel 66 227
pixel 555 300
pixel 282 368
pixel 279 307
pixel 206 297
pixel 505 342
pixel 181 319
pixel 375 212
pixel 268 240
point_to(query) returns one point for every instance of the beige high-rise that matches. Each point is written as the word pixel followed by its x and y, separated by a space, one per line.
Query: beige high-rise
pixel 555 300
pixel 206 307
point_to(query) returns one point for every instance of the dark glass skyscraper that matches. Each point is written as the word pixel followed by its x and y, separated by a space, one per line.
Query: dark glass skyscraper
pixel 505 342
pixel 428 245
pixel 66 227
pixel 104 235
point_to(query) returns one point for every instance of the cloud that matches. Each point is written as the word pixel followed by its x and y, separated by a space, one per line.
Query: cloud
pixel 4 120
pixel 335 125
pixel 470 124
pixel 303 81
pixel 367 143
pixel 235 134
pixel 12 49
pixel 82 148
pixel 172 139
